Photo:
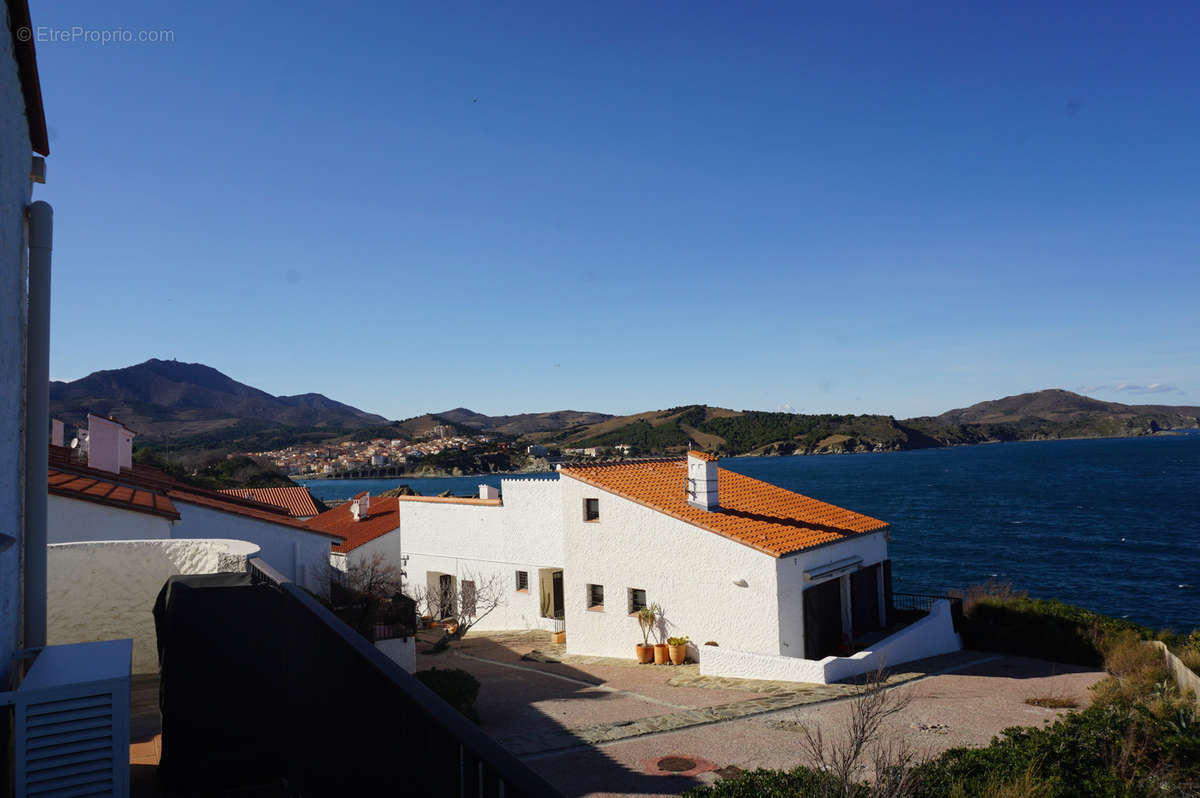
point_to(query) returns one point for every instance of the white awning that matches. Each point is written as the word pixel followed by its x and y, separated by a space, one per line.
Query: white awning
pixel 833 569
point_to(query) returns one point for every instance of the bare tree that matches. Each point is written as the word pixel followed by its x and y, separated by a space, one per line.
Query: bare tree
pixel 846 754
pixel 374 577
pixel 470 598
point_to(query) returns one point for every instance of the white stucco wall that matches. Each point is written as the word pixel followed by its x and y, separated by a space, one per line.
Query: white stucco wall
pixel 103 590
pixel 299 555
pixel 401 650
pixel 75 520
pixel 482 542
pixel 928 637
pixel 15 154
pixel 688 570
pixel 790 573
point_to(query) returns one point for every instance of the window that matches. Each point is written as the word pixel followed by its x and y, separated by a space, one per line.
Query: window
pixel 523 581
pixel 468 598
pixel 591 509
pixel 595 597
pixel 637 600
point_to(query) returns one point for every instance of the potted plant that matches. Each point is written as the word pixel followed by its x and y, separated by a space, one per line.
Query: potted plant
pixel 678 649
pixel 646 617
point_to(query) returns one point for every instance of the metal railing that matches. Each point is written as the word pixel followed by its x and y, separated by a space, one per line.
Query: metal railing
pixel 375 708
pixel 910 604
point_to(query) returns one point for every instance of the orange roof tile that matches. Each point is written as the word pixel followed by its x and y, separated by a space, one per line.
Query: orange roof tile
pixel 295 499
pixel 758 514
pixel 150 488
pixel 102 491
pixel 383 515
pixel 712 458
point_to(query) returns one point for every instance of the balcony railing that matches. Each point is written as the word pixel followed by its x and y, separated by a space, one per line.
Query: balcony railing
pixel 912 606
pixel 317 700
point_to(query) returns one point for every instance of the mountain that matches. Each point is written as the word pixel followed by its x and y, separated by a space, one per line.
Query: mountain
pixel 1041 415
pixel 520 424
pixel 167 399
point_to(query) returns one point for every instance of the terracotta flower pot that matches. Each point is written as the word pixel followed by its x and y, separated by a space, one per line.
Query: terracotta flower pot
pixel 558 637
pixel 645 653
pixel 661 655
pixel 678 654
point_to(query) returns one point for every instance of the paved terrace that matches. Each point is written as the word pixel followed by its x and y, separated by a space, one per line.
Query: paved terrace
pixel 596 726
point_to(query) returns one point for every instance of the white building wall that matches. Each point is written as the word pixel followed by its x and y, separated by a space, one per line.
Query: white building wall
pixel 301 556
pixel 482 542
pixel 790 573
pixel 74 520
pixel 15 194
pixel 103 590
pixel 690 571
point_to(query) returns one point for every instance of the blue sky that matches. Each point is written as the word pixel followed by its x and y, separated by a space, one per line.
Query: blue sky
pixel 625 206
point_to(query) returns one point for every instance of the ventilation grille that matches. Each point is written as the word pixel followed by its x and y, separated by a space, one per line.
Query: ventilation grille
pixel 68 746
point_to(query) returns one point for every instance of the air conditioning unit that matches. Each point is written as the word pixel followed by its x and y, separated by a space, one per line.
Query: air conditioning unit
pixel 71 716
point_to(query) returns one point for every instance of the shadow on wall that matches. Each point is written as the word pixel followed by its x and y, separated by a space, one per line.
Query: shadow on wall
pixel 105 590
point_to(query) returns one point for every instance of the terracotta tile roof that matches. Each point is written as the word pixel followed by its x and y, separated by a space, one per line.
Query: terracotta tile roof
pixel 761 515
pixel 712 458
pixel 383 515
pixel 295 499
pixel 102 491
pixel 148 480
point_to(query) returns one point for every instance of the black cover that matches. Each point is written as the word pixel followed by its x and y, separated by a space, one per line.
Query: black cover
pixel 220 664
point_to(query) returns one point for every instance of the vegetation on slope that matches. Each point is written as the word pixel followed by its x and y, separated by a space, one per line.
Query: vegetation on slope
pixel 213 470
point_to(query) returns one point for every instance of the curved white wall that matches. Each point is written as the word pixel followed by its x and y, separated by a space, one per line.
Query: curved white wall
pixel 76 520
pixel 101 590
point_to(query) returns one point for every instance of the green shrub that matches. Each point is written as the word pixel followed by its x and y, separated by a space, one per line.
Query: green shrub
pixel 1042 628
pixel 775 784
pixel 456 687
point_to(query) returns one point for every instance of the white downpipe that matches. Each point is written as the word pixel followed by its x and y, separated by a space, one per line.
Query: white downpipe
pixel 37 420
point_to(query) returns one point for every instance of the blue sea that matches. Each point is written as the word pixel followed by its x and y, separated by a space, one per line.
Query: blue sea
pixel 1112 525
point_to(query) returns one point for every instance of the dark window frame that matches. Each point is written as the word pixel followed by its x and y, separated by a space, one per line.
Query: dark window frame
pixel 595 592
pixel 522 581
pixel 633 604
pixel 591 510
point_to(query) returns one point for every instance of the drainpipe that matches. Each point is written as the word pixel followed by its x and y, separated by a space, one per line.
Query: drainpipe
pixel 37 420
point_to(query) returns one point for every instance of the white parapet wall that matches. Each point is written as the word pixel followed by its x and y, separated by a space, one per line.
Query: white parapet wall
pixel 932 635
pixel 401 650
pixel 105 589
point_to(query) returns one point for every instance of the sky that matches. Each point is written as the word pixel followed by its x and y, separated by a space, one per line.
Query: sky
pixel 409 207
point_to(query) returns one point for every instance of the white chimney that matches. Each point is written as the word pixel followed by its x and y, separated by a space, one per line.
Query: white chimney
pixel 488 492
pixel 702 480
pixel 109 444
pixel 360 506
pixel 56 432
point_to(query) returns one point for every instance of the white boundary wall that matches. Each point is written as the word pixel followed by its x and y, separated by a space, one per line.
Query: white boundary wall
pixel 401 650
pixel 103 590
pixel 928 637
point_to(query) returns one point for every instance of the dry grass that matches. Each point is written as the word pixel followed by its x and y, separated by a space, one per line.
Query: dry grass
pixel 1190 657
pixel 1053 701
pixel 1135 669
pixel 990 590
pixel 1029 784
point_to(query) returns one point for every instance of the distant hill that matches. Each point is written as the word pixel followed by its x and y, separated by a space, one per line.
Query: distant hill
pixel 170 400
pixel 521 424
pixel 1042 415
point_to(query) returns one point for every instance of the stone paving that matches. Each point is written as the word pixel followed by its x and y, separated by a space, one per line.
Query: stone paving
pixel 770 696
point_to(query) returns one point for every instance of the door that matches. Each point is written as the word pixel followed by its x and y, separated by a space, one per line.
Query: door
pixel 446 595
pixel 557 590
pixel 864 600
pixel 822 619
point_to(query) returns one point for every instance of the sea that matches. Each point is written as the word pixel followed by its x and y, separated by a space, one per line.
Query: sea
pixel 1112 525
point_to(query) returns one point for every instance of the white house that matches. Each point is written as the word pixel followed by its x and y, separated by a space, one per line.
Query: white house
pixel 778 581
pixel 100 499
pixel 515 544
